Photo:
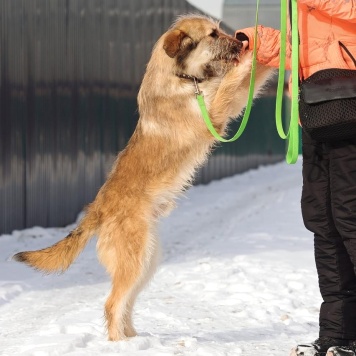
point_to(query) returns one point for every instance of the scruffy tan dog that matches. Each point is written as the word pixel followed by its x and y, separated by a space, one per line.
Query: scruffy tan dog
pixel 158 164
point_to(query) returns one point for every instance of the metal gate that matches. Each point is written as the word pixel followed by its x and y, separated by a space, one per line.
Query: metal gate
pixel 69 74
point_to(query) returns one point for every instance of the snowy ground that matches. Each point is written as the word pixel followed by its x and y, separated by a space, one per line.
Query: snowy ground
pixel 237 278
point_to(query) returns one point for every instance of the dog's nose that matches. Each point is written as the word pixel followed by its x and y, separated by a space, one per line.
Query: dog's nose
pixel 239 44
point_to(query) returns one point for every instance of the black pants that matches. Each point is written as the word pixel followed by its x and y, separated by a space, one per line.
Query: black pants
pixel 329 211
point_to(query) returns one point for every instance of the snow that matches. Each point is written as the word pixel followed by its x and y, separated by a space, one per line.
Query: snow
pixel 237 277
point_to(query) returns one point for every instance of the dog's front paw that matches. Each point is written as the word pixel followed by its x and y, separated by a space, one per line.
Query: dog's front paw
pixel 245 62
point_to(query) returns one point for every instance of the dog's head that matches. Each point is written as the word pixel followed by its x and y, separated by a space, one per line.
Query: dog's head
pixel 200 48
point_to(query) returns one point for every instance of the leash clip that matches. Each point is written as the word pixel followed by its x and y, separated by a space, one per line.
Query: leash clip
pixel 197 90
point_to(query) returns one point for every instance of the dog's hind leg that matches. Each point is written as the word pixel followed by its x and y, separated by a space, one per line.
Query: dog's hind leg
pixel 150 263
pixel 129 259
pixel 115 308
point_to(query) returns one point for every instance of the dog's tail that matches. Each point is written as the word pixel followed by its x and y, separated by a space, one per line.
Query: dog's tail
pixel 60 256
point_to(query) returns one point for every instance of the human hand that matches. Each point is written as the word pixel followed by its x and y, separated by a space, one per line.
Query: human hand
pixel 245 45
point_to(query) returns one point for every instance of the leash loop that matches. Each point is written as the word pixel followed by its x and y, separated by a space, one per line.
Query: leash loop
pixel 292 135
pixel 246 115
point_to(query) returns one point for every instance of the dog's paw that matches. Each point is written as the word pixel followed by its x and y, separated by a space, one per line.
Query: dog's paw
pixel 130 332
pixel 245 63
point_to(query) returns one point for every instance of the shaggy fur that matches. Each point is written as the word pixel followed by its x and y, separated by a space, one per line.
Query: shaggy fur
pixel 158 164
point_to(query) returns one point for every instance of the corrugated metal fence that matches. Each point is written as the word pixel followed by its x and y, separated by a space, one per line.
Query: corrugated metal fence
pixel 69 75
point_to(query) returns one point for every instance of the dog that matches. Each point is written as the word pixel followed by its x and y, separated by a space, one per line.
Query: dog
pixel 158 164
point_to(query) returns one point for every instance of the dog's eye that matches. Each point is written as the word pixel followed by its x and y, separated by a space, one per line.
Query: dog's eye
pixel 214 34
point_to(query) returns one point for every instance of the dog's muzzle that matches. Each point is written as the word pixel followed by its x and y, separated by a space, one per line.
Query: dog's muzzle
pixel 228 48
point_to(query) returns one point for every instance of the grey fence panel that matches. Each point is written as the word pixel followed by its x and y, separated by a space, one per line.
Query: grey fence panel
pixel 69 75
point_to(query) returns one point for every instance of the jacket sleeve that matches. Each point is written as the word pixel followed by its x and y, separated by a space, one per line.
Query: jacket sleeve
pixel 268 45
pixel 341 9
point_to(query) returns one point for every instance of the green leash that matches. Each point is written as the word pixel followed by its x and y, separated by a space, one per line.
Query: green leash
pixel 246 115
pixel 293 131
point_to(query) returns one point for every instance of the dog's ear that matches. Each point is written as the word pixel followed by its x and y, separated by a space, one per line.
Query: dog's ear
pixel 173 41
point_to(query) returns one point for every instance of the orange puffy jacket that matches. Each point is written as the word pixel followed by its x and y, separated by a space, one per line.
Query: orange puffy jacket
pixel 322 26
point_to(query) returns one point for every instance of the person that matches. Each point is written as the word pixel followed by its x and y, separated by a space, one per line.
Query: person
pixel 327 39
